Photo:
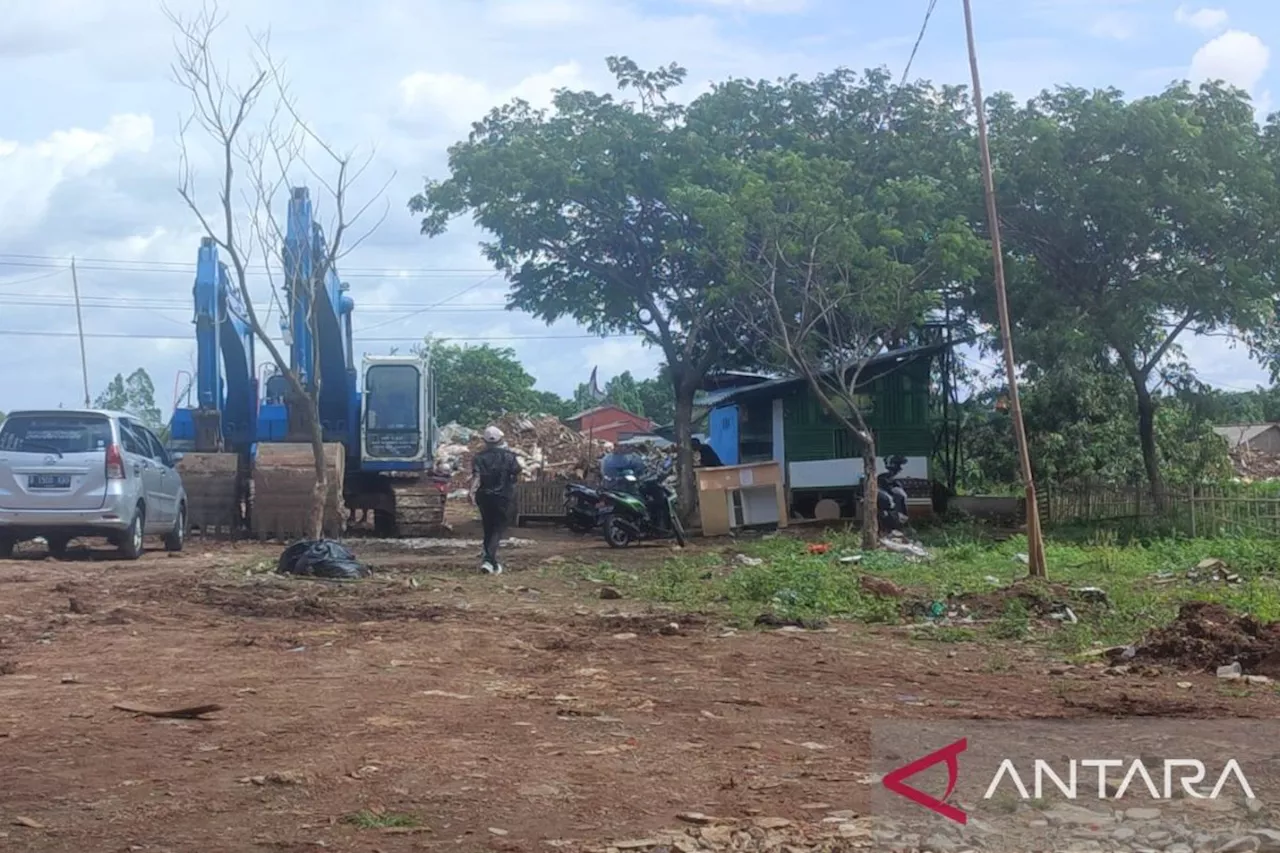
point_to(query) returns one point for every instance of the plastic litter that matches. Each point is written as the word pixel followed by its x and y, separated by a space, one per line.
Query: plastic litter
pixel 321 558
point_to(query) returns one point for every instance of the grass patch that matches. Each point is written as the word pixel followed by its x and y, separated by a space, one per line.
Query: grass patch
pixel 367 819
pixel 1144 580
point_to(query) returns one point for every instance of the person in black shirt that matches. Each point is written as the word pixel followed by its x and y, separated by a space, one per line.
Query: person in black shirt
pixel 707 456
pixel 494 472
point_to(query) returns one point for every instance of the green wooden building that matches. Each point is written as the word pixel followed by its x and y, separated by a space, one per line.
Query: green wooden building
pixel 781 419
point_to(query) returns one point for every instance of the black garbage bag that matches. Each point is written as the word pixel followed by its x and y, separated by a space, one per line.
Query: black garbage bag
pixel 321 558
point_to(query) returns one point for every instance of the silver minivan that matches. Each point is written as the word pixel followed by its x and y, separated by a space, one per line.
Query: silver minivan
pixel 75 473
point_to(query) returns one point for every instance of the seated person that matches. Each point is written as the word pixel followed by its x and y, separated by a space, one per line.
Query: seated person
pixel 706 455
pixel 617 463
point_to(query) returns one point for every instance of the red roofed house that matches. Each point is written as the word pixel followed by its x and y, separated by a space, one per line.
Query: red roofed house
pixel 610 423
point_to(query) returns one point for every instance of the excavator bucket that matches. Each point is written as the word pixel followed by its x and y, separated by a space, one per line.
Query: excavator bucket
pixel 284 480
pixel 216 485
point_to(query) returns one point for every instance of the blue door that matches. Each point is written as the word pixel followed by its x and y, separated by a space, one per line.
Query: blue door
pixel 723 436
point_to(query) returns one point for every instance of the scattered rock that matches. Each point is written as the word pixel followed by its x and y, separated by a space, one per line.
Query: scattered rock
pixel 1243 844
pixel 625 635
pixel 696 818
pixel 493 830
pixel 717 834
pixel 1142 814
pixel 1268 839
pixel 609 593
pixel 772 822
pixel 27 822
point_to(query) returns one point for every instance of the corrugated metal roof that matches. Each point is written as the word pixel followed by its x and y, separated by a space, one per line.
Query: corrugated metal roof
pixel 1239 434
pixel 890 358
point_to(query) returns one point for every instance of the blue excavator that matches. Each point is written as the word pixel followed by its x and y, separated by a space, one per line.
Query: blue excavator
pixel 244 447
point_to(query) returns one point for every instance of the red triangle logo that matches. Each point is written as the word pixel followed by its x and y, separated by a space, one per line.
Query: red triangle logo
pixel 950 754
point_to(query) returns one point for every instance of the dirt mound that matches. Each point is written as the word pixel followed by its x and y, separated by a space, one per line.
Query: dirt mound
pixel 1037 599
pixel 1206 636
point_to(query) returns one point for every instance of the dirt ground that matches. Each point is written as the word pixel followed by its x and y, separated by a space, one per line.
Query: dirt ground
pixel 501 712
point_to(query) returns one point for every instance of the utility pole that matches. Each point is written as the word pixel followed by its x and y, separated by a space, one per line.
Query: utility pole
pixel 1035 543
pixel 84 361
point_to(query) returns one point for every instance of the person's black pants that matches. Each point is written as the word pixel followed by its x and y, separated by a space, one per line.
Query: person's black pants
pixel 494 511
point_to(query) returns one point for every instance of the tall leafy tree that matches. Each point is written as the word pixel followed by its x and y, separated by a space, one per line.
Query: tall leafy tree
pixel 134 394
pixel 1130 225
pixel 1080 426
pixel 475 384
pixel 580 201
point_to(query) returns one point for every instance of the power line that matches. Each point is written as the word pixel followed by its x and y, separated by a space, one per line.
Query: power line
pixel 109 265
pixel 429 307
pixel 34 278
pixel 28 333
pixel 148 304
pixel 928 14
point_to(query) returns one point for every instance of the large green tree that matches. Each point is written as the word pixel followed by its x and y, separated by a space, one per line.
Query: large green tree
pixel 134 394
pixel 475 384
pixel 581 203
pixel 1079 422
pixel 1130 225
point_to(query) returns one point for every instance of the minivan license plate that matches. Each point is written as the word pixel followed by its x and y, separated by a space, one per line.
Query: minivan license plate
pixel 49 481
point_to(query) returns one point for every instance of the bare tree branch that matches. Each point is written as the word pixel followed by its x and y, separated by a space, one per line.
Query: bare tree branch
pixel 257 155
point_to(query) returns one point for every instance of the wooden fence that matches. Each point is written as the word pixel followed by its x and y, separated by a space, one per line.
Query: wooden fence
pixel 1195 510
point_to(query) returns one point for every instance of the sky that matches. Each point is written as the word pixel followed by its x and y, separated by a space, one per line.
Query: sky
pixel 89 143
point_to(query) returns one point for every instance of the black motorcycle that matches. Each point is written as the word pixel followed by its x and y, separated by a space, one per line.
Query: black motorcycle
pixel 891 496
pixel 581 507
pixel 643 509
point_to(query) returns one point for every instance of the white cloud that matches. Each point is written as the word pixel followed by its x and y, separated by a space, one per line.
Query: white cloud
pixel 1113 25
pixel 538 14
pixel 766 7
pixel 30 172
pixel 1237 57
pixel 460 100
pixel 1205 20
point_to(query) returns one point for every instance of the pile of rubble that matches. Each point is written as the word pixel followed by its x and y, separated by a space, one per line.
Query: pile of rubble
pixel 546 448
pixel 1250 464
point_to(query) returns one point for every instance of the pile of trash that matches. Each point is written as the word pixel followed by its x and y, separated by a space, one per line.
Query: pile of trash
pixel 1208 571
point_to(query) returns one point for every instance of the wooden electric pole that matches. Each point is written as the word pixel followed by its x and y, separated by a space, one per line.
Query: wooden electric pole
pixel 84 362
pixel 1035 544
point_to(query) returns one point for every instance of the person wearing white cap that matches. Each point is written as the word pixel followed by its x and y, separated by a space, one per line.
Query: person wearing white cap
pixel 494 472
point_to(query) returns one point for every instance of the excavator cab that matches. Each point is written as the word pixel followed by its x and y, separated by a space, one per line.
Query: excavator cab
pixel 397 413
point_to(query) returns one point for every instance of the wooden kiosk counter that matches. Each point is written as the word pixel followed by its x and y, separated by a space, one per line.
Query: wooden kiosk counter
pixel 735 496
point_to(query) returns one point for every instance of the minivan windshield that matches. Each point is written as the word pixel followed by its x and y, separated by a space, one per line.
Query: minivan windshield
pixel 55 433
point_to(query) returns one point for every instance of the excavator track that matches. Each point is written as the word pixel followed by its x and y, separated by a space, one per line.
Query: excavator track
pixel 284 479
pixel 216 485
pixel 419 507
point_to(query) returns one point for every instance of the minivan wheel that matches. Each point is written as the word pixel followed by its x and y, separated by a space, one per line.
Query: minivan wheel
pixel 176 538
pixel 6 548
pixel 131 542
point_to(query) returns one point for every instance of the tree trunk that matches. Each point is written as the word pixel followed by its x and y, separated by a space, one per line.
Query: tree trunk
pixel 687 484
pixel 870 494
pixel 1147 439
pixel 319 495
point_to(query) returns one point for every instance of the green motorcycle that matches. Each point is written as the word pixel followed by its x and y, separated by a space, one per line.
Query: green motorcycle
pixel 644 509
